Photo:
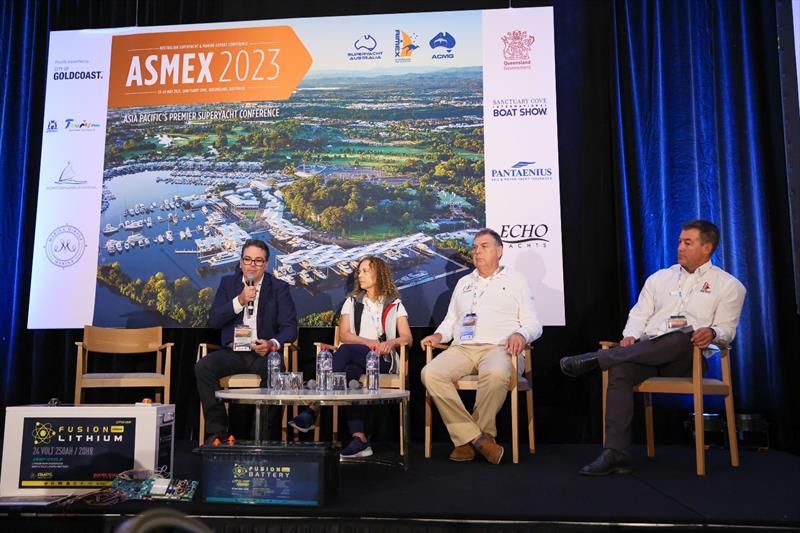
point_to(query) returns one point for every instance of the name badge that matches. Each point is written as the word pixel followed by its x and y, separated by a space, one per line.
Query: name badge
pixel 242 337
pixel 677 322
pixel 468 326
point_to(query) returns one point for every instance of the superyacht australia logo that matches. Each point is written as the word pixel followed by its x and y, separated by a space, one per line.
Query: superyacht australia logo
pixel 68 178
pixel 519 107
pixel 522 171
pixel 517 50
pixel 65 246
pixel 524 235
pixel 445 41
pixel 404 45
pixel 365 49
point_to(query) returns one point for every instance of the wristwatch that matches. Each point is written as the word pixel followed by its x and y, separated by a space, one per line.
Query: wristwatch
pixel 713 334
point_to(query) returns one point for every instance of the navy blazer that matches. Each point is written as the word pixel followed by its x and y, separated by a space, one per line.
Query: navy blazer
pixel 277 317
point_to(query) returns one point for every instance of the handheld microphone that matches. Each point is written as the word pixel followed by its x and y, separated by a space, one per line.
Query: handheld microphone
pixel 251 280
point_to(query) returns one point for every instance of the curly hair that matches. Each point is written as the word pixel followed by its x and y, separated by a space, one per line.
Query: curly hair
pixel 384 280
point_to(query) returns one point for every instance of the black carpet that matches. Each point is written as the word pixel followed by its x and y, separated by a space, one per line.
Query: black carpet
pixel 542 492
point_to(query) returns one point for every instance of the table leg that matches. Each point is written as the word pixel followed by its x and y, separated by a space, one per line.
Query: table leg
pixel 257 428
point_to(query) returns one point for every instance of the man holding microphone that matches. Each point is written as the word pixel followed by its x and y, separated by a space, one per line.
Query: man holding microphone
pixel 255 313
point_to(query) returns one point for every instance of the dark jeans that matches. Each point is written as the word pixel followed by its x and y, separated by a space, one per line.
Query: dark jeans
pixel 352 360
pixel 219 364
pixel 669 355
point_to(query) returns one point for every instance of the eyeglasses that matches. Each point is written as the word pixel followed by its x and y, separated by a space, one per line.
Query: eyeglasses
pixel 258 261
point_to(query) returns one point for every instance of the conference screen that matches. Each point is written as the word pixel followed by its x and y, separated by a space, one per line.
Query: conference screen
pixel 398 136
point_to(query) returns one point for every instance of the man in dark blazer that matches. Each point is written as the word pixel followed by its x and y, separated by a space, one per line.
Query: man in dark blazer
pixel 247 298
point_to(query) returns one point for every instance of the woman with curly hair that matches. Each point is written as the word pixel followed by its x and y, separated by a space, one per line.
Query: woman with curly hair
pixel 372 315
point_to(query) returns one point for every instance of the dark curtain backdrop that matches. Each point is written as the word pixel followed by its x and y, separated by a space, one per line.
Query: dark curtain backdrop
pixel 667 111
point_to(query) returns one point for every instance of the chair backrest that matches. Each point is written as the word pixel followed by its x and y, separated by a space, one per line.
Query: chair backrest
pixel 121 340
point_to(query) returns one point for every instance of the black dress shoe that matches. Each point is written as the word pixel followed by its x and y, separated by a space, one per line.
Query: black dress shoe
pixel 609 462
pixel 578 365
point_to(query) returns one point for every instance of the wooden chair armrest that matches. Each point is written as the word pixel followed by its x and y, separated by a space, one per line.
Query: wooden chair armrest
pixel 204 347
pixel 81 344
pixel 441 346
pixel 166 345
pixel 605 345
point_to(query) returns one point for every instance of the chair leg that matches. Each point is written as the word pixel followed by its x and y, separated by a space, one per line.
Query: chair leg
pixel 428 417
pixel 648 422
pixel 284 424
pixel 733 441
pixel 158 396
pixel 201 430
pixel 531 436
pixel 335 423
pixel 699 433
pixel 515 426
pixel 605 389
pixel 402 430
pixel 295 412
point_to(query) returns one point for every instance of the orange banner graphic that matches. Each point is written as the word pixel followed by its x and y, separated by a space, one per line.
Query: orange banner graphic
pixel 194 67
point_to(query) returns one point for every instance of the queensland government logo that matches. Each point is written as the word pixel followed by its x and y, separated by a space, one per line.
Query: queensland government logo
pixel 516 50
pixel 522 171
pixel 525 235
pixel 364 49
pixel 65 245
pixel 404 46
pixel 443 40
pixel 519 107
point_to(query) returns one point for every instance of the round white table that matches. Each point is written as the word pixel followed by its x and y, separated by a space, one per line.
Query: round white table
pixel 264 397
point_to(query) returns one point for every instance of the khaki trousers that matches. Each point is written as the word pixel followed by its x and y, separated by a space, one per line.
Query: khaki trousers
pixel 492 364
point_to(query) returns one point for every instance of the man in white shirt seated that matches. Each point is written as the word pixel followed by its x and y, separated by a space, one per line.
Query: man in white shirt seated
pixel 689 304
pixel 490 319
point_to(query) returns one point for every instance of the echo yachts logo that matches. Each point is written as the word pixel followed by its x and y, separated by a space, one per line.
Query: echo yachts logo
pixel 525 235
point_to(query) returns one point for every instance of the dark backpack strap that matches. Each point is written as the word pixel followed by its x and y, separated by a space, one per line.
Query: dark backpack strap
pixel 358 310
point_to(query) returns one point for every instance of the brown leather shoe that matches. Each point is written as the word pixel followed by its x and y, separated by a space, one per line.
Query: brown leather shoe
pixel 490 450
pixel 465 452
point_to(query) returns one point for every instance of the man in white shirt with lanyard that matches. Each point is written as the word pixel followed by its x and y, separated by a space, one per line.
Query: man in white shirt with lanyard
pixel 689 304
pixel 491 318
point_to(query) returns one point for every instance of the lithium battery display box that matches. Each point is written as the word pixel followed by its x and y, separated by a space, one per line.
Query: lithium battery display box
pixel 73 449
pixel 270 473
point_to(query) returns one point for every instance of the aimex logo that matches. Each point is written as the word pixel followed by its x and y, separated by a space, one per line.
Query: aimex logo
pixel 404 46
pixel 525 235
pixel 443 40
pixel 516 50
pixel 522 171
pixel 43 433
pixel 65 245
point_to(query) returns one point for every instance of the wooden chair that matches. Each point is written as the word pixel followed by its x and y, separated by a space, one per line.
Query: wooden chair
pixel 245 381
pixel 695 385
pixel 470 382
pixel 387 381
pixel 117 341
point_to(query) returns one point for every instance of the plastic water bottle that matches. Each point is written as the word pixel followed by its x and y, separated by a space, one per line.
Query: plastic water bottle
pixel 373 370
pixel 273 368
pixel 324 369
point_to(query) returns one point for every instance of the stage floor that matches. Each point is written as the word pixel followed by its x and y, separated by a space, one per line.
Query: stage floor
pixel 542 492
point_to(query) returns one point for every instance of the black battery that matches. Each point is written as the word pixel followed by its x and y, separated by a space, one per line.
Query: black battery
pixel 270 473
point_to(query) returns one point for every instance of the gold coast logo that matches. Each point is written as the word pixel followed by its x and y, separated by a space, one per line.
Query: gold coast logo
pixel 239 470
pixel 43 433
pixel 516 50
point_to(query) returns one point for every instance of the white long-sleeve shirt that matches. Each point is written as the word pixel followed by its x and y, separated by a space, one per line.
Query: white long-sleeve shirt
pixel 503 305
pixel 708 297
